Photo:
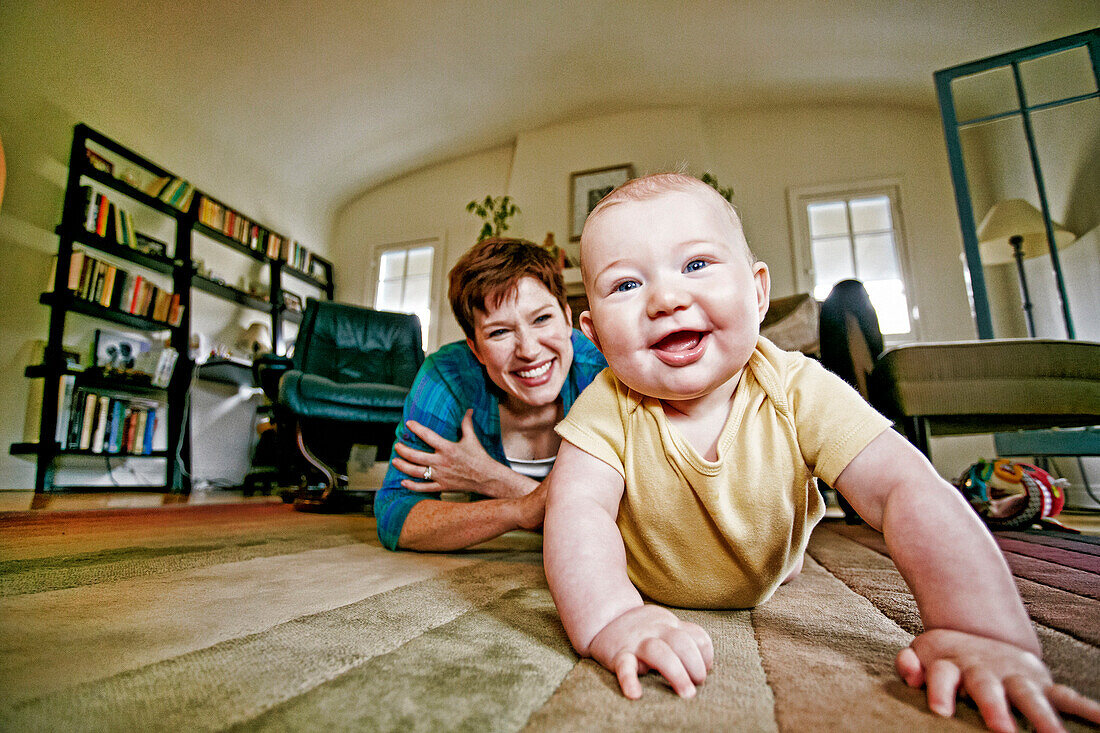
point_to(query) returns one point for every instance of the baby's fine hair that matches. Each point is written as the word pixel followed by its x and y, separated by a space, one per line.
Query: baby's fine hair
pixel 656 184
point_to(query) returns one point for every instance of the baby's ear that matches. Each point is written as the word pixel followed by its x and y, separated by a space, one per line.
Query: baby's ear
pixel 763 281
pixel 588 328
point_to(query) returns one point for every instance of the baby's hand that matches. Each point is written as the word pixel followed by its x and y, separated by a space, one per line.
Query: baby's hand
pixel 995 675
pixel 652 638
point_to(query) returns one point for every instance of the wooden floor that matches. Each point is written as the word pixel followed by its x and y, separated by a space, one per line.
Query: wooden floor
pixel 1085 521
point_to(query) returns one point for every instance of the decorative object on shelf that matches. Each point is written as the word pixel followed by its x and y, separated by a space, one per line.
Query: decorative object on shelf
pixel 495 212
pixel 117 349
pixel 149 245
pixel 711 180
pixel 1015 230
pixel 320 269
pixel 292 302
pixel 551 246
pixel 586 188
pixel 99 162
pixel 256 339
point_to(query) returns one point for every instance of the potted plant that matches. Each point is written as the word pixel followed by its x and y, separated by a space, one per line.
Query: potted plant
pixel 495 212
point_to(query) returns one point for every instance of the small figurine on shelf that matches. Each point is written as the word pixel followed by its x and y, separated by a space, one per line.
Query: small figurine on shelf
pixel 549 245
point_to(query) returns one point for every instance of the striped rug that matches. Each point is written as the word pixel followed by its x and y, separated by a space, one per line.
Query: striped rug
pixel 256 617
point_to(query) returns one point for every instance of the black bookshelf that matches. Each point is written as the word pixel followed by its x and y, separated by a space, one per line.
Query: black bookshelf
pixel 178 266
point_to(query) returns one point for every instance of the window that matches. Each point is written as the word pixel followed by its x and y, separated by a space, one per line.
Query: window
pixel 855 233
pixel 405 283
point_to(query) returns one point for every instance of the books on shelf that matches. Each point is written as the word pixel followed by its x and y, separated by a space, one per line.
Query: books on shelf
pixel 178 193
pixel 106 219
pixel 106 422
pixel 107 285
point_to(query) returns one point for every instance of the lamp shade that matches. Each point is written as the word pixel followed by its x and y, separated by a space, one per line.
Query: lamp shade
pixel 1012 218
pixel 256 339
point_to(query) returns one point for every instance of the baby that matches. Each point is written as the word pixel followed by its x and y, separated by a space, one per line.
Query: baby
pixel 686 473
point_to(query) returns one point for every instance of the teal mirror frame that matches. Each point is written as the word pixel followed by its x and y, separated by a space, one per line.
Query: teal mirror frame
pixel 952 126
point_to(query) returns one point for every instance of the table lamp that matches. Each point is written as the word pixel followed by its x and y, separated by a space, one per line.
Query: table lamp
pixel 1014 230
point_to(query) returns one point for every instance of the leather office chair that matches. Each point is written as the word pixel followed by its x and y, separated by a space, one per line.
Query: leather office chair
pixel 352 369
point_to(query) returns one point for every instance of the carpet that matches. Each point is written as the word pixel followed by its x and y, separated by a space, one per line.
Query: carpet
pixel 256 617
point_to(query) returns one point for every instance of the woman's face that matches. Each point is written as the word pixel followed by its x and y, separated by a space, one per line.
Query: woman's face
pixel 524 343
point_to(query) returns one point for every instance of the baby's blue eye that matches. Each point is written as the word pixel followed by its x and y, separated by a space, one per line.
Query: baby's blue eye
pixel 695 265
pixel 624 286
pixel 497 332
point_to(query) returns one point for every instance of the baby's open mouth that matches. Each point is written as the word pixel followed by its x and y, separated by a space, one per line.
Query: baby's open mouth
pixel 681 348
pixel 679 341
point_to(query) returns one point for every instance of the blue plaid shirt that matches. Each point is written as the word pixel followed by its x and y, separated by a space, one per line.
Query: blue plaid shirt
pixel 450 382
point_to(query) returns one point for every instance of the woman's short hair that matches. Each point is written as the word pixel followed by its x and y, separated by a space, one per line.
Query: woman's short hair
pixel 490 271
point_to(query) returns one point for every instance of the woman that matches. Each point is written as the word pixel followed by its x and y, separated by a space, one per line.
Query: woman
pixel 480 416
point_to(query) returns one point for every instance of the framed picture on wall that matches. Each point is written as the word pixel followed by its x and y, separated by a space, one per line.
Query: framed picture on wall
pixel 586 188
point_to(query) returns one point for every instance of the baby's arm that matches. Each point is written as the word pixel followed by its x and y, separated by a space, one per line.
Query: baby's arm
pixel 977 633
pixel 601 610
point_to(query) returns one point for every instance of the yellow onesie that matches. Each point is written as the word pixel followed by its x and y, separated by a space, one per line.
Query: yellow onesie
pixel 724 534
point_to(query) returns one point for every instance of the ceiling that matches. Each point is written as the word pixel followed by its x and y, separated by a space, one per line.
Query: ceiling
pixel 333 98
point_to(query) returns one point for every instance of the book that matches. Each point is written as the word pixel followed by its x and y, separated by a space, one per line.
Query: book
pixel 150 427
pixel 76 264
pixel 88 423
pixel 101 424
pixel 156 186
pixel 137 445
pixel 114 431
pixel 64 407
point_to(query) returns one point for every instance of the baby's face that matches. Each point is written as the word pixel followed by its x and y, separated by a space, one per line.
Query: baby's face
pixel 675 303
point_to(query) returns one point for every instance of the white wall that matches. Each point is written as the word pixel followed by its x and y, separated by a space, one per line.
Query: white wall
pixel 427 204
pixel 759 153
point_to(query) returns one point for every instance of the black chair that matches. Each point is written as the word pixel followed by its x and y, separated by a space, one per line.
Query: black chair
pixel 851 342
pixel 352 369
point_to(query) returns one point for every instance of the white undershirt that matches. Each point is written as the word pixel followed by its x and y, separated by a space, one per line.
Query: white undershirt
pixel 537 469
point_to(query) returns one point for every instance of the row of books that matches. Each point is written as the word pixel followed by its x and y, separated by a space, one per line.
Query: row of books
pixel 106 219
pixel 112 287
pixel 247 232
pixel 173 191
pixel 105 423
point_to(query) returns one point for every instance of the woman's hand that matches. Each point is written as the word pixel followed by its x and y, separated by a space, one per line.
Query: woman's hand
pixel 461 465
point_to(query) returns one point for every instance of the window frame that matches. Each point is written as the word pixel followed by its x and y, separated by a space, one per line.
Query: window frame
pixel 438 244
pixel 798 199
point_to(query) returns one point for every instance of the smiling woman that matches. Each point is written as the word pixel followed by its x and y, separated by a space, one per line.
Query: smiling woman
pixel 480 417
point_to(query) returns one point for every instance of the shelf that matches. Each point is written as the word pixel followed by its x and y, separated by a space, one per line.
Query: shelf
pixel 305 277
pixel 226 371
pixel 95 310
pixel 31 449
pixel 106 179
pixel 229 242
pixel 229 293
pixel 102 244
pixel 179 268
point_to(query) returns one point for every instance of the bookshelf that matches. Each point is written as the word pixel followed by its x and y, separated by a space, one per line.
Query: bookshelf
pixel 112 270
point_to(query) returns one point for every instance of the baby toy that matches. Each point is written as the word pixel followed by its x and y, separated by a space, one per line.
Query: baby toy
pixel 1013 495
